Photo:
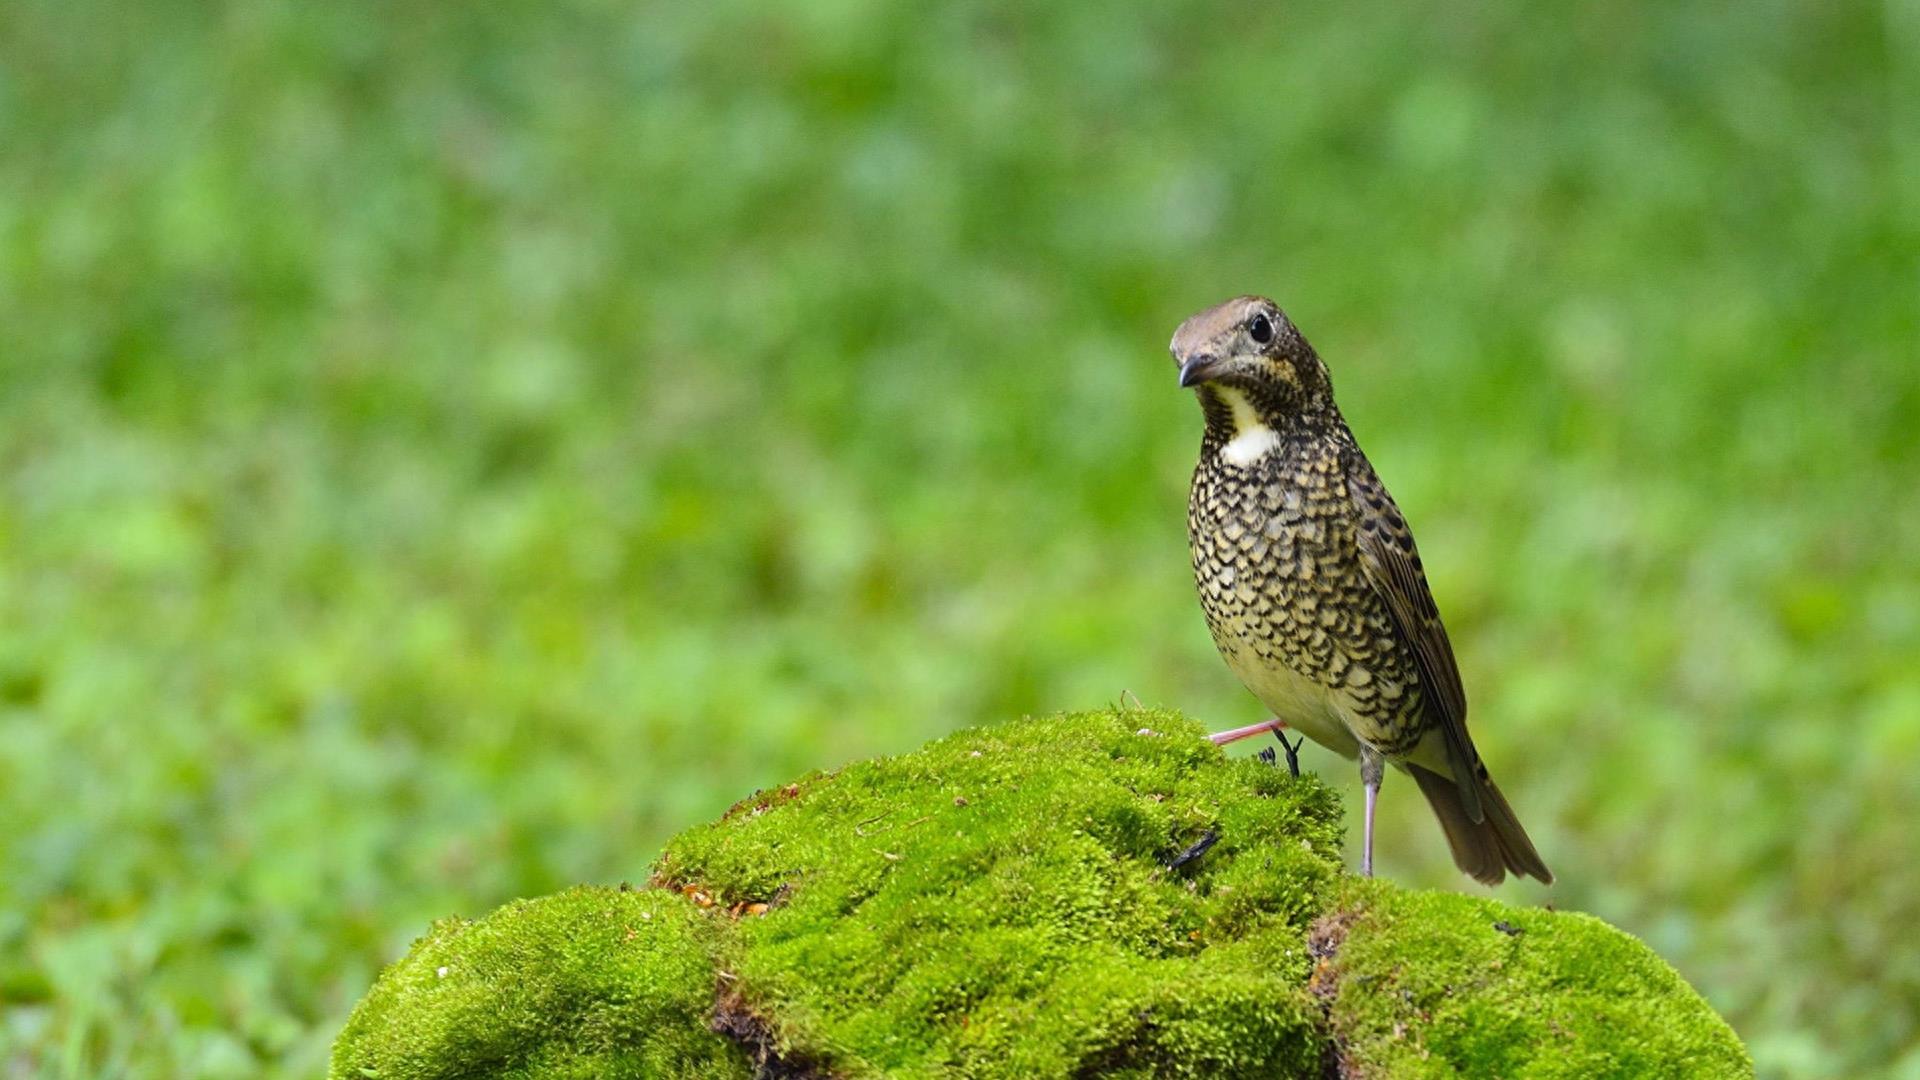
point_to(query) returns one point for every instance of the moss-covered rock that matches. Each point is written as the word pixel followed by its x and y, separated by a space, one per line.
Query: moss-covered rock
pixel 591 982
pixel 1423 984
pixel 1097 894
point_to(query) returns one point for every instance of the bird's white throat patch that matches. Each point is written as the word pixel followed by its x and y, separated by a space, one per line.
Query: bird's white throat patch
pixel 1252 438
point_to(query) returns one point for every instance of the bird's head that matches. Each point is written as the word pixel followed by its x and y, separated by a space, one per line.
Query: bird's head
pixel 1247 349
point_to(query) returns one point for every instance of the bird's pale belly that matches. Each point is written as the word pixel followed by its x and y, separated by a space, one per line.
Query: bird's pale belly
pixel 1302 703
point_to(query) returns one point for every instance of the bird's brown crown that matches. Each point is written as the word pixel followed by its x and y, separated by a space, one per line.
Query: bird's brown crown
pixel 1247 348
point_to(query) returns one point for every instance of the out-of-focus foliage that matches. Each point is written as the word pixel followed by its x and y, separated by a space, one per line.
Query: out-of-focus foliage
pixel 446 449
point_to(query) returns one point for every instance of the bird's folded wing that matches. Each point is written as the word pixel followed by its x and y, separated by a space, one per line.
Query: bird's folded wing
pixel 1392 565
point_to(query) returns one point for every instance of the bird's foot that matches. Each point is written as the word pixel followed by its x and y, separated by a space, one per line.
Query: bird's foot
pixel 1222 738
pixel 1292 749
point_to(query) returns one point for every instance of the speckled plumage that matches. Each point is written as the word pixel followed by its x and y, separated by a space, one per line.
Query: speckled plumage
pixel 1274 559
pixel 1311 583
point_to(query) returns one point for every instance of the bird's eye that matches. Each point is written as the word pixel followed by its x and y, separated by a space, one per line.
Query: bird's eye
pixel 1260 329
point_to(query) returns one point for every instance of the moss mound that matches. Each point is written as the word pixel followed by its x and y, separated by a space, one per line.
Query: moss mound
pixel 1096 894
pixel 1439 984
pixel 1005 901
pixel 592 982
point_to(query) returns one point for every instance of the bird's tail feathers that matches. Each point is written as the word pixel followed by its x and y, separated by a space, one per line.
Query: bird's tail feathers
pixel 1486 849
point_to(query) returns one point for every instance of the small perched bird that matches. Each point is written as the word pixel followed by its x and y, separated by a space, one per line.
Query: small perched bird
pixel 1314 590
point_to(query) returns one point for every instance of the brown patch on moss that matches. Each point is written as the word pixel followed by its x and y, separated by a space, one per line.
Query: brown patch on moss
pixel 707 899
pixel 734 1019
pixel 766 799
pixel 1323 944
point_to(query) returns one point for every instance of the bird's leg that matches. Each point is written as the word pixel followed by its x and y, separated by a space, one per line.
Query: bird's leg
pixel 1222 738
pixel 1372 768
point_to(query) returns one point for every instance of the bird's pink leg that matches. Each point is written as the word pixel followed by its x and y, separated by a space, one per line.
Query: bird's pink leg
pixel 1222 738
pixel 1372 769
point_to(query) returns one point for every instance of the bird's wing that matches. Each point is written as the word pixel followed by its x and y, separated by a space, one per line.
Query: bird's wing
pixel 1392 565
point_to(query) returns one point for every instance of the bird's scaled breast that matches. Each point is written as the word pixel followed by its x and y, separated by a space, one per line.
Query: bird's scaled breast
pixel 1276 565
pixel 1272 552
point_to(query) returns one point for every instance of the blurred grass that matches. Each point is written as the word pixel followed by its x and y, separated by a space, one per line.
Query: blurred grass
pixel 442 452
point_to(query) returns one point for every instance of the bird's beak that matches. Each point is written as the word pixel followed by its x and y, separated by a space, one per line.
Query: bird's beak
pixel 1198 368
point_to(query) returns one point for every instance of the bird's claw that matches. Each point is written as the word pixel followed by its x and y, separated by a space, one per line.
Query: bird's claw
pixel 1292 749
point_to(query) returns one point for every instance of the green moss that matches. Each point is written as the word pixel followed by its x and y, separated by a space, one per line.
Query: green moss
pixel 592 982
pixel 1007 902
pixel 999 902
pixel 1438 984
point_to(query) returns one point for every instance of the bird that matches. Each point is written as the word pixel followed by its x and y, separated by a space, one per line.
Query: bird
pixel 1314 591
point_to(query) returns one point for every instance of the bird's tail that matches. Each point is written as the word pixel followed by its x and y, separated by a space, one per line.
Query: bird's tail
pixel 1488 848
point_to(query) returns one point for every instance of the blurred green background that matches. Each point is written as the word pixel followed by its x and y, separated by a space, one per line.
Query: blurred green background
pixel 444 452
